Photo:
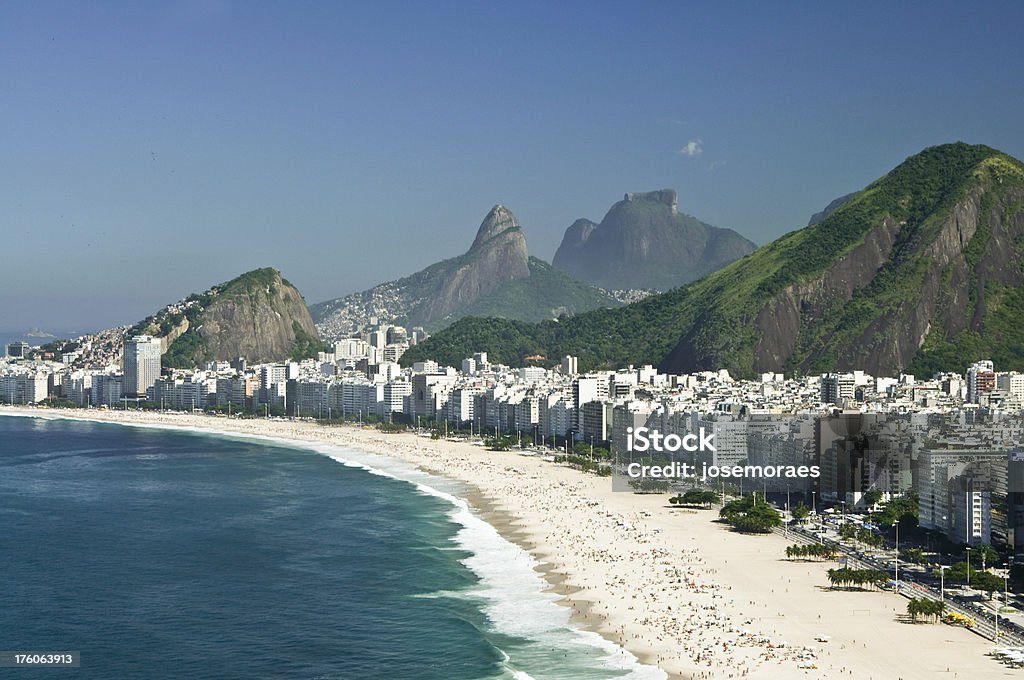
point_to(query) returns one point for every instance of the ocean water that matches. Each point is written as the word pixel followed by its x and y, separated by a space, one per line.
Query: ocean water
pixel 160 553
pixel 7 337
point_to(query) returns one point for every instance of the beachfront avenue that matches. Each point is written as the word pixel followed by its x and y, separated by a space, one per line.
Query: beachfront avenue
pixel 642 439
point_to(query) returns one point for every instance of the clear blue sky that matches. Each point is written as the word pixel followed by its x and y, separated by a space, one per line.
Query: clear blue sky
pixel 153 149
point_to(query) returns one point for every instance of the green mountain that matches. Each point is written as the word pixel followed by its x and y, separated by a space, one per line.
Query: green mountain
pixel 920 271
pixel 259 316
pixel 495 277
pixel 644 242
pixel 546 293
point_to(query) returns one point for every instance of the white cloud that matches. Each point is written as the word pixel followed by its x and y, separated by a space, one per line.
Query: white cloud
pixel 692 148
pixel 716 165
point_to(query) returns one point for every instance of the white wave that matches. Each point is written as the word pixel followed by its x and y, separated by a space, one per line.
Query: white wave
pixel 516 601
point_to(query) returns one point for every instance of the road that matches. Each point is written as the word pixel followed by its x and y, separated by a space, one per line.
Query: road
pixel 984 618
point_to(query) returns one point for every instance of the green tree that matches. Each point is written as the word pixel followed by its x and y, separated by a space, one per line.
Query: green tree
pixel 871 497
pixel 748 516
pixel 983 555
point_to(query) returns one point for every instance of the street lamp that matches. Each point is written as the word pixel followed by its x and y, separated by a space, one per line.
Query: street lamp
pixel 897 556
pixel 942 583
pixel 789 515
pixel 968 567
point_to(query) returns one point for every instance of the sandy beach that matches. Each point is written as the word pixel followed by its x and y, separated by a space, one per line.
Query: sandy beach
pixel 670 585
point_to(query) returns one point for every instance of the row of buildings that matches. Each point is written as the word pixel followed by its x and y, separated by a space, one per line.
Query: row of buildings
pixel 955 439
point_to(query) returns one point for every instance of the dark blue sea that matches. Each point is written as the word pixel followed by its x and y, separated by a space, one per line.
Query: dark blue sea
pixel 161 553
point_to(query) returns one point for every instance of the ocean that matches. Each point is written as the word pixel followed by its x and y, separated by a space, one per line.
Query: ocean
pixel 162 553
pixel 7 337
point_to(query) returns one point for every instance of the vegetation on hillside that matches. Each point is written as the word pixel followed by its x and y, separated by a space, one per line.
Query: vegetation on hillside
pixel 306 346
pixel 544 294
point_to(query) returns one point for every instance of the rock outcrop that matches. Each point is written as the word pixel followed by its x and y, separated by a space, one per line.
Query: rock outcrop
pixel 498 255
pixel 645 242
pixel 496 276
pixel 258 316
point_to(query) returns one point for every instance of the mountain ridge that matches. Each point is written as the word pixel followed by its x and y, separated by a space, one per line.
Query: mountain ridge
pixel 495 276
pixel 921 269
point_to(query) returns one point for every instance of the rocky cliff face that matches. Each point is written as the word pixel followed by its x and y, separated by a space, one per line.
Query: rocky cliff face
pixel 926 275
pixel 644 242
pixel 260 319
pixel 495 276
pixel 498 255
pixel 259 316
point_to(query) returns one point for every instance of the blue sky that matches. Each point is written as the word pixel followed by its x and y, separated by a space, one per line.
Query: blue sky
pixel 153 149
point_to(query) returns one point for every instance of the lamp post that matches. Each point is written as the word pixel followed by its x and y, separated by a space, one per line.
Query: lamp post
pixel 942 583
pixel 897 557
pixel 789 516
pixel 968 567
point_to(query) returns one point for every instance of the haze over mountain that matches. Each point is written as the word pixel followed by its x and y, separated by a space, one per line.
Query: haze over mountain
pixel 259 316
pixel 495 277
pixel 645 242
pixel 920 271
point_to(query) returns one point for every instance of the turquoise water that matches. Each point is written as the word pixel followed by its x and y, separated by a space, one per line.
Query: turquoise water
pixel 168 554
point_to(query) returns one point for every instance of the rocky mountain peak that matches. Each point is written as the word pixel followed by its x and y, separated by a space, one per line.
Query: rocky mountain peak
pixel 259 315
pixel 645 242
pixel 495 277
pixel 664 196
pixel 498 220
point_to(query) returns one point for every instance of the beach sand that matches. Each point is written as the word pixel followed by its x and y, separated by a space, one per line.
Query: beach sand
pixel 670 585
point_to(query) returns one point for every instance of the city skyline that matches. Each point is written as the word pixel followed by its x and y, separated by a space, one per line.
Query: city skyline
pixel 156 151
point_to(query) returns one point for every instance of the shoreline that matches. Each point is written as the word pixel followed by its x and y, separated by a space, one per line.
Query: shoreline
pixel 673 588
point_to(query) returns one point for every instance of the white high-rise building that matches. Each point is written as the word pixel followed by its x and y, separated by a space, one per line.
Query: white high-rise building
pixel 141 364
pixel 981 378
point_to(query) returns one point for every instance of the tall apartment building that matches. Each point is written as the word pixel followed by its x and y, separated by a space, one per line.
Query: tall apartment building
pixel 270 376
pixel 107 389
pixel 395 393
pixel 1015 500
pixel 584 391
pixel 838 387
pixel 954 491
pixel 23 388
pixel 981 379
pixel 1012 384
pixel 141 365
pixel 17 350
